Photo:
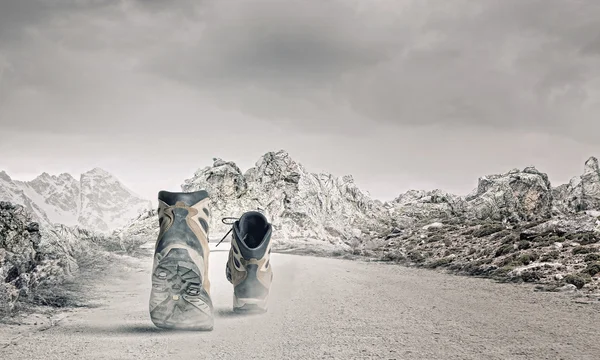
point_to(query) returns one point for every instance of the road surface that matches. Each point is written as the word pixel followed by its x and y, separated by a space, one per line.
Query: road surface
pixel 329 309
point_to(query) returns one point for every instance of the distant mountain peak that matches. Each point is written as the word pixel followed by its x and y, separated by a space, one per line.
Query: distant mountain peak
pixel 49 177
pixel 66 176
pixel 99 172
pixel 98 202
pixel 4 176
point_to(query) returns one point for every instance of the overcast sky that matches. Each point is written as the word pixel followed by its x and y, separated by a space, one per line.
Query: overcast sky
pixel 401 94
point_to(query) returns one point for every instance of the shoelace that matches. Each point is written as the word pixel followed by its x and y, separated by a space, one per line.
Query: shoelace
pixel 233 220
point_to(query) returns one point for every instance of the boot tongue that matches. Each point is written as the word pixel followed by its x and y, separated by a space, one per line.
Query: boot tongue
pixel 244 236
pixel 249 240
pixel 251 229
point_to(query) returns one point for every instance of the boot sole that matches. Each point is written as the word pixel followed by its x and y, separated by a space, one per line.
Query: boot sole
pixel 178 300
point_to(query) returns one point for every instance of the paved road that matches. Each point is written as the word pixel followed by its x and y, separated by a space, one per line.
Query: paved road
pixel 331 309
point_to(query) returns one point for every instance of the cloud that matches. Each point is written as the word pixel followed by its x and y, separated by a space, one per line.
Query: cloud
pixel 335 65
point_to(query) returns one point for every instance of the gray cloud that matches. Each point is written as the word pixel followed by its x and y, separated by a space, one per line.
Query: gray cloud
pixel 512 63
pixel 518 64
pixel 407 88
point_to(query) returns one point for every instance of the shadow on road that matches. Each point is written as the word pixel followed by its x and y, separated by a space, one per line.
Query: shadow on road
pixel 229 313
pixel 121 329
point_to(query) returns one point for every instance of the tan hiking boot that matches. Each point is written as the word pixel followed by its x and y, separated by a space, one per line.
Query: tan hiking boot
pixel 180 296
pixel 248 267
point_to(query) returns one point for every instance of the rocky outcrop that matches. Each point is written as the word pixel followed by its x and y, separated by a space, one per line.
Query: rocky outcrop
pixel 34 255
pixel 302 206
pixel 415 205
pixel 142 229
pixel 31 256
pixel 19 242
pixel 518 195
pixel 324 209
pixel 514 227
pixel 559 199
pixel 553 252
pixel 514 196
pixel 583 192
pixel 228 190
pixel 98 201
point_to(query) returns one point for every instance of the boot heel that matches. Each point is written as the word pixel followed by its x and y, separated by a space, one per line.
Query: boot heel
pixel 249 306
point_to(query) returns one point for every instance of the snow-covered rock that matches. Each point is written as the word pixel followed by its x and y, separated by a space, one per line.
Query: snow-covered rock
pixel 435 225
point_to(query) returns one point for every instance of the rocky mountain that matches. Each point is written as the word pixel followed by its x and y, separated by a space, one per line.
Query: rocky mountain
pixel 513 225
pixel 106 203
pixel 323 209
pixel 514 196
pixel 303 207
pixel 415 205
pixel 518 195
pixel 582 193
pixel 97 201
pixel 299 203
pixel 31 256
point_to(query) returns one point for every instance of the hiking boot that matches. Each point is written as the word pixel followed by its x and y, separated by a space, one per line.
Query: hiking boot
pixel 180 296
pixel 248 267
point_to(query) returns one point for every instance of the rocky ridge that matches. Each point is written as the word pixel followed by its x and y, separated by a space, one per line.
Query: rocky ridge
pixel 97 201
pixel 513 225
pixel 514 196
pixel 322 208
pixel 582 193
pixel 305 208
pixel 19 240
pixel 300 204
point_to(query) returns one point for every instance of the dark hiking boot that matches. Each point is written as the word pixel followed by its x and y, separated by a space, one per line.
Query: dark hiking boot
pixel 180 296
pixel 248 267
